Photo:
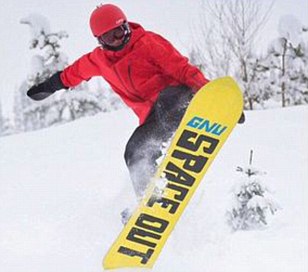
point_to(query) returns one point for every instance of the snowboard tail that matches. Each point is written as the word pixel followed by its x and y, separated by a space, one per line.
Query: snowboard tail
pixel 206 125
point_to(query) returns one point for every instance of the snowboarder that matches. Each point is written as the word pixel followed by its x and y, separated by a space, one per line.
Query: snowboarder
pixel 146 71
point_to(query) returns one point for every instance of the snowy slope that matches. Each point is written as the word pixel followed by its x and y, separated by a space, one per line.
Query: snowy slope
pixel 62 191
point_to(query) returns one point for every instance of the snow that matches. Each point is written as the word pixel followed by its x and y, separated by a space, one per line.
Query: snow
pixel 37 64
pixel 38 24
pixel 62 190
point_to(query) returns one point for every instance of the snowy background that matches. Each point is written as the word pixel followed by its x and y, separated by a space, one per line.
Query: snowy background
pixel 173 19
pixel 62 188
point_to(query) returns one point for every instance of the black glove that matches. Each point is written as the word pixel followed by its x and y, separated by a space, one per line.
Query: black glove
pixel 46 88
pixel 242 119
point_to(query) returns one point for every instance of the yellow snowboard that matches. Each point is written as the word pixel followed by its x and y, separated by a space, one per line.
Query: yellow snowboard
pixel 206 125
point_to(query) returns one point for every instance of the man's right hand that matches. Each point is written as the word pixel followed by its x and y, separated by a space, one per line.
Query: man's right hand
pixel 242 119
pixel 46 88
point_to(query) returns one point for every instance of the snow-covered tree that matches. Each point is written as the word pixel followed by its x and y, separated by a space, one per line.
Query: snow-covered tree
pixel 108 100
pixel 285 65
pixel 252 202
pixel 61 107
pixel 6 128
pixel 50 59
pixel 21 102
pixel 31 115
pixel 1 120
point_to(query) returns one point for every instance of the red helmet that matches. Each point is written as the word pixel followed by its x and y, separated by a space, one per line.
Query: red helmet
pixel 106 17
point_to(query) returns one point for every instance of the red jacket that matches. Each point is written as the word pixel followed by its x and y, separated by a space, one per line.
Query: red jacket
pixel 139 72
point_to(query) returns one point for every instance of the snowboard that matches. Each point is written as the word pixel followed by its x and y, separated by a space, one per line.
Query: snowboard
pixel 208 121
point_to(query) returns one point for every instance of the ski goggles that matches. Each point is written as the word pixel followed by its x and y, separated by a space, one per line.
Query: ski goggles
pixel 113 35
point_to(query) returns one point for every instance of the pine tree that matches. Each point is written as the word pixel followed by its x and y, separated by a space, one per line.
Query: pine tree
pixel 31 115
pixel 62 107
pixel 6 128
pixel 252 201
pixel 108 100
pixel 285 64
pixel 1 121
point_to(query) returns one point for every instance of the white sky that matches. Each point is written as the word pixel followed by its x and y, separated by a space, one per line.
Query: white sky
pixel 171 18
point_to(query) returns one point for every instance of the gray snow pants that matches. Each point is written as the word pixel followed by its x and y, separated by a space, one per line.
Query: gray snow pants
pixel 144 146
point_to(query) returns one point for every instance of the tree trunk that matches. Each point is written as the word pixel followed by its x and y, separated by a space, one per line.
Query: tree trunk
pixel 283 85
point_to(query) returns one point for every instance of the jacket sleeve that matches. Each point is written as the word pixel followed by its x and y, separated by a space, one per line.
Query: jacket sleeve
pixel 82 69
pixel 171 62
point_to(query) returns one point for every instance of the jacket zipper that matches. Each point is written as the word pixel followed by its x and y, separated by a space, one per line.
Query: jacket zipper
pixel 122 82
pixel 130 77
